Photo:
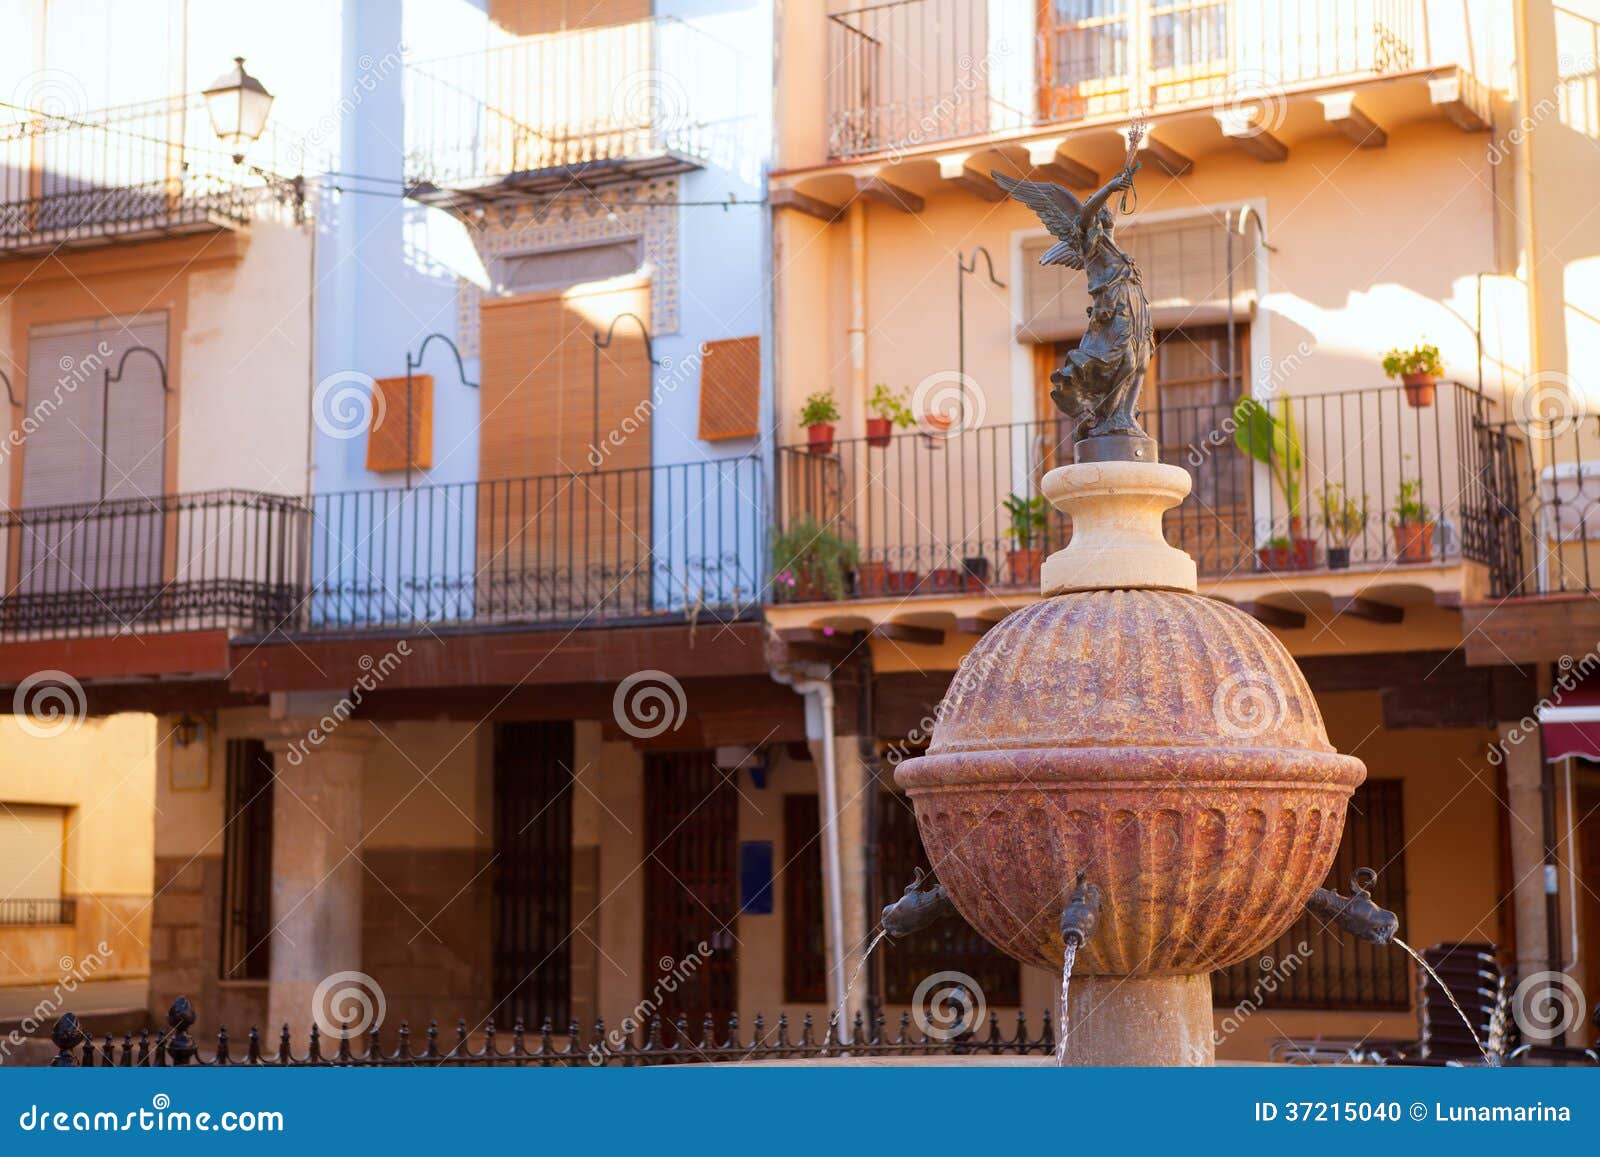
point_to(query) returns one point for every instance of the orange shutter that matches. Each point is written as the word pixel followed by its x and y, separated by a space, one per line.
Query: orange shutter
pixel 387 434
pixel 730 389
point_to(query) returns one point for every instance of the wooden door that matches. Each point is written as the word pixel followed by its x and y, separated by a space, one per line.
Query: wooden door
pixel 691 887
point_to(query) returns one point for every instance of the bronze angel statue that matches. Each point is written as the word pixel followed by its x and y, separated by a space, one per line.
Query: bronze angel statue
pixel 1098 387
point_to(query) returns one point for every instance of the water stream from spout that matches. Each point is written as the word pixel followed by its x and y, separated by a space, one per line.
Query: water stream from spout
pixel 1443 987
pixel 1070 959
pixel 855 979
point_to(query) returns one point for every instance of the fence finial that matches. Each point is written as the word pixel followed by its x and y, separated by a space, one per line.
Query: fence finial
pixel 66 1036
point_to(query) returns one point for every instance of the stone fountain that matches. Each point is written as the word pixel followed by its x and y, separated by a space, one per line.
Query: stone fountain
pixel 1163 745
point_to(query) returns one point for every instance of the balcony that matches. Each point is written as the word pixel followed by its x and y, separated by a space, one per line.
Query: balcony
pixel 1379 492
pixel 114 176
pixel 911 73
pixel 225 559
pixel 588 107
pixel 644 544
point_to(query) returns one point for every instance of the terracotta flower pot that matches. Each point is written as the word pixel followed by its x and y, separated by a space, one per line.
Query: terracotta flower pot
pixel 1025 565
pixel 820 437
pixel 1419 389
pixel 1304 553
pixel 880 432
pixel 1413 541
pixel 872 579
pixel 1275 558
pixel 902 582
pixel 943 580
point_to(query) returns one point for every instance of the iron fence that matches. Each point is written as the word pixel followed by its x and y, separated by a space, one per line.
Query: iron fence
pixel 1544 522
pixel 610 544
pixel 148 169
pixel 572 98
pixel 912 72
pixel 15 912
pixel 1376 481
pixel 718 1040
pixel 213 559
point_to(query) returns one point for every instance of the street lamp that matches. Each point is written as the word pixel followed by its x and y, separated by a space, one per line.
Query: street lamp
pixel 238 104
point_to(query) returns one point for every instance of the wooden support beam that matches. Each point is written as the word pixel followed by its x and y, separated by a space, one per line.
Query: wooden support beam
pixel 1162 155
pixel 1359 608
pixel 804 203
pixel 1239 126
pixel 815 635
pixel 975 625
pixel 908 633
pixel 876 188
pixel 1280 617
pixel 954 170
pixel 1049 163
pixel 1447 600
pixel 1450 95
pixel 1339 110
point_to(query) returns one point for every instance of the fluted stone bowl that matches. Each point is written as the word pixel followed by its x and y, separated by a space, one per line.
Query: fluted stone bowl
pixel 1163 743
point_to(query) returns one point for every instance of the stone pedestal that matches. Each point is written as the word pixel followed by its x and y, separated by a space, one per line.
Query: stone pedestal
pixel 1117 541
pixel 1140 1020
pixel 316 867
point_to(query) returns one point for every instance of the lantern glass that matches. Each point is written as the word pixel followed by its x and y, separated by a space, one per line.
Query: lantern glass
pixel 238 104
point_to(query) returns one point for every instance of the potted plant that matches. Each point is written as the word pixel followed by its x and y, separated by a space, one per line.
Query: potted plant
pixel 1272 440
pixel 1412 523
pixel 1344 519
pixel 810 562
pixel 1276 553
pixel 818 416
pixel 887 411
pixel 1029 518
pixel 1419 369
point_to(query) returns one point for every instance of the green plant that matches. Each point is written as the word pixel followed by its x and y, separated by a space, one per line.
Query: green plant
pixel 890 406
pixel 819 409
pixel 1422 359
pixel 1276 542
pixel 1343 516
pixel 1409 509
pixel 809 553
pixel 1029 517
pixel 1272 440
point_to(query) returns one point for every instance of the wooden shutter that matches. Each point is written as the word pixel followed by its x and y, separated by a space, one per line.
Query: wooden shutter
pixel 555 535
pixel 31 841
pixel 387 434
pixel 730 389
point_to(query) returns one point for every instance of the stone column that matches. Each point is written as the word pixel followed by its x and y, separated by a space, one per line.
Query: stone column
pixel 854 779
pixel 1526 801
pixel 1140 1020
pixel 316 865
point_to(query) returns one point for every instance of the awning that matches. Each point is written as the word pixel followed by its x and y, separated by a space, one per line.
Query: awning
pixel 1570 721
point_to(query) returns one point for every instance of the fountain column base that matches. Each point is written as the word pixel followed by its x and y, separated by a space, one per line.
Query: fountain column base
pixel 1117 541
pixel 1120 1021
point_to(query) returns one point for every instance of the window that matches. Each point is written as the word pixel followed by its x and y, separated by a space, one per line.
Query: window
pixel 247 862
pixel 1338 972
pixel 32 840
pixel 950 944
pixel 730 389
pixel 805 955
pixel 563 268
pixel 387 435
pixel 533 873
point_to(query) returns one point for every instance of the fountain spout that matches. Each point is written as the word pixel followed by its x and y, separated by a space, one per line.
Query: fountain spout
pixel 1356 913
pixel 916 909
pixel 1081 915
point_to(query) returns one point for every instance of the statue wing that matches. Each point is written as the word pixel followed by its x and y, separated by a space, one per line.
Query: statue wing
pixel 1057 208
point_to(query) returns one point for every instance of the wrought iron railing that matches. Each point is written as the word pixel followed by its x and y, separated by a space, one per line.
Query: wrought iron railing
pixel 927 514
pixel 717 1039
pixel 1544 526
pixel 570 98
pixel 601 546
pixel 152 169
pixel 912 72
pixel 14 912
pixel 215 559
